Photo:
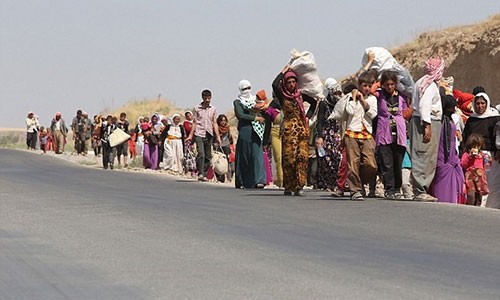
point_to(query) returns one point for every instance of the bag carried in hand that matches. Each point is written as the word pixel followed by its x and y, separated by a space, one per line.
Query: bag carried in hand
pixel 117 137
pixel 219 162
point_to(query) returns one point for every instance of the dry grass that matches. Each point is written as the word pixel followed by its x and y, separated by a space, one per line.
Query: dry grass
pixel 146 107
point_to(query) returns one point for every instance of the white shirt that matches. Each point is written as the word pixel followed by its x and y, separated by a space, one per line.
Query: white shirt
pixel 356 115
pixel 428 107
pixel 32 125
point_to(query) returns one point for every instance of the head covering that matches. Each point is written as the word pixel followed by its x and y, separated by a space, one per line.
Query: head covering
pixel 295 94
pixel 448 102
pixel 261 95
pixel 248 101
pixel 188 111
pixel 58 114
pixel 332 85
pixel 434 69
pixel 139 119
pixel 245 95
pixel 157 117
pixel 489 112
pixel 85 114
pixel 175 115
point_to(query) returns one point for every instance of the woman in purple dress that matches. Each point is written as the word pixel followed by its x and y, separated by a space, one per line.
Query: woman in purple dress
pixel 449 178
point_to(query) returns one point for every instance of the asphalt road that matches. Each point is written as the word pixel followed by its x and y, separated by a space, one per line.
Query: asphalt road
pixel 69 232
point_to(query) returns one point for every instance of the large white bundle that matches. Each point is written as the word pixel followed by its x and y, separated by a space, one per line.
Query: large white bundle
pixel 304 65
pixel 117 137
pixel 219 163
pixel 384 61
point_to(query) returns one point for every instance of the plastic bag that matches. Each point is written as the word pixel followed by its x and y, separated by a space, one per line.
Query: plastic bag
pixel 304 65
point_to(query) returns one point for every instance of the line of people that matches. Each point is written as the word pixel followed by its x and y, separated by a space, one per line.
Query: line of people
pixel 427 141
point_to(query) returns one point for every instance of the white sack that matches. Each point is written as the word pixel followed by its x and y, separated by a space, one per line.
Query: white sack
pixel 304 65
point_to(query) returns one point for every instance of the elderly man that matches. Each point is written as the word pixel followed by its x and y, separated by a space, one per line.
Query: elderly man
pixel 59 129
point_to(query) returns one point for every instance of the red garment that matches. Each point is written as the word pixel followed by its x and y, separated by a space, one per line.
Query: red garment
pixel 343 171
pixel 132 146
pixel 464 102
pixel 188 125
pixel 475 175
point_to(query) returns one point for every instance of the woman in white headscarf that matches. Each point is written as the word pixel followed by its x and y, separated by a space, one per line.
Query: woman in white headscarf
pixel 482 121
pixel 173 135
pixel 250 172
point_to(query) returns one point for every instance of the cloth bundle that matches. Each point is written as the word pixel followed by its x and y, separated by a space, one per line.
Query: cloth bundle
pixel 219 162
pixel 384 61
pixel 304 65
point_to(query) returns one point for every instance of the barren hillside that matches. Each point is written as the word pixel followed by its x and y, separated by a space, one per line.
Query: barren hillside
pixel 471 52
pixel 472 55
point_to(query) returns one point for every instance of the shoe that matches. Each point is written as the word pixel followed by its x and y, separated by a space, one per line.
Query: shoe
pixel 337 193
pixel 425 198
pixel 372 194
pixel 299 193
pixel 111 166
pixel 357 197
pixel 287 193
pixel 398 196
pixel 259 186
pixel 200 177
pixel 390 195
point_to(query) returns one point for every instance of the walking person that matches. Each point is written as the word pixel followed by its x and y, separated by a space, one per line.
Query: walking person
pixel 150 152
pixel 174 136
pixel 204 130
pixel 108 152
pixel 96 135
pixel 275 117
pixel 32 128
pixel 78 126
pixel 226 140
pixel 122 149
pixel 329 137
pixel 295 148
pixel 60 131
pixel 249 166
pixel 361 108
pixel 391 134
pixel 447 185
pixel 425 128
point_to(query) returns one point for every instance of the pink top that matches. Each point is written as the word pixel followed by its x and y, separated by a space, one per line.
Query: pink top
pixel 204 120
pixel 470 162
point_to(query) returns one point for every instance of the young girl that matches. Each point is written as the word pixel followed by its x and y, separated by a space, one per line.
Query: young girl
pixel 44 136
pixel 473 163
pixel 391 134
pixel 226 141
pixel 132 147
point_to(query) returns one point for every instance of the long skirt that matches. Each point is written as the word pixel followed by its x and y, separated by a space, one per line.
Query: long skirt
pixel 295 158
pixel 173 155
pixel 249 159
pixel 150 156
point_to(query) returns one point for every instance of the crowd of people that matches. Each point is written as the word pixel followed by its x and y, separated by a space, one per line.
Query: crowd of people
pixel 426 141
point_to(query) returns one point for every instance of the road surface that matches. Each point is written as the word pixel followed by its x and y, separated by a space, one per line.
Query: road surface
pixel 71 232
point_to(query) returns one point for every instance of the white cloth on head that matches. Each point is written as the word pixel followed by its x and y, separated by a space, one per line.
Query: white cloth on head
pixel 490 111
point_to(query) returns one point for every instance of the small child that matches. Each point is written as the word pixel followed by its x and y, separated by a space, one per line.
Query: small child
pixel 473 163
pixel 132 148
pixel 44 137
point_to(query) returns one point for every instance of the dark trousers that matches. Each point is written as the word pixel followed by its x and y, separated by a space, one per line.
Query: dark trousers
pixel 31 139
pixel 391 166
pixel 108 155
pixel 204 148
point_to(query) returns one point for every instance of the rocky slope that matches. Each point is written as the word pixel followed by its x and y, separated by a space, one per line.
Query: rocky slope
pixel 472 55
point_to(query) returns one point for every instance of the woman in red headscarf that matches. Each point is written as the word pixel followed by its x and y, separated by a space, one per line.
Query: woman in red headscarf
pixel 295 130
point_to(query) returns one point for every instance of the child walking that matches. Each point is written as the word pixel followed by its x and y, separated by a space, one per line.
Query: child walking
pixel 475 175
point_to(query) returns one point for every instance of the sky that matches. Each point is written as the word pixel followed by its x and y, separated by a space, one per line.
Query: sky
pixel 67 55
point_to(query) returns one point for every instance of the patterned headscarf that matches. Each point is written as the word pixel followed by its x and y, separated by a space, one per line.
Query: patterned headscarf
pixel 434 69
pixel 295 94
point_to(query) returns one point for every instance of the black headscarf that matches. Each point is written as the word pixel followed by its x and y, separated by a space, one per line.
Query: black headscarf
pixel 449 104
